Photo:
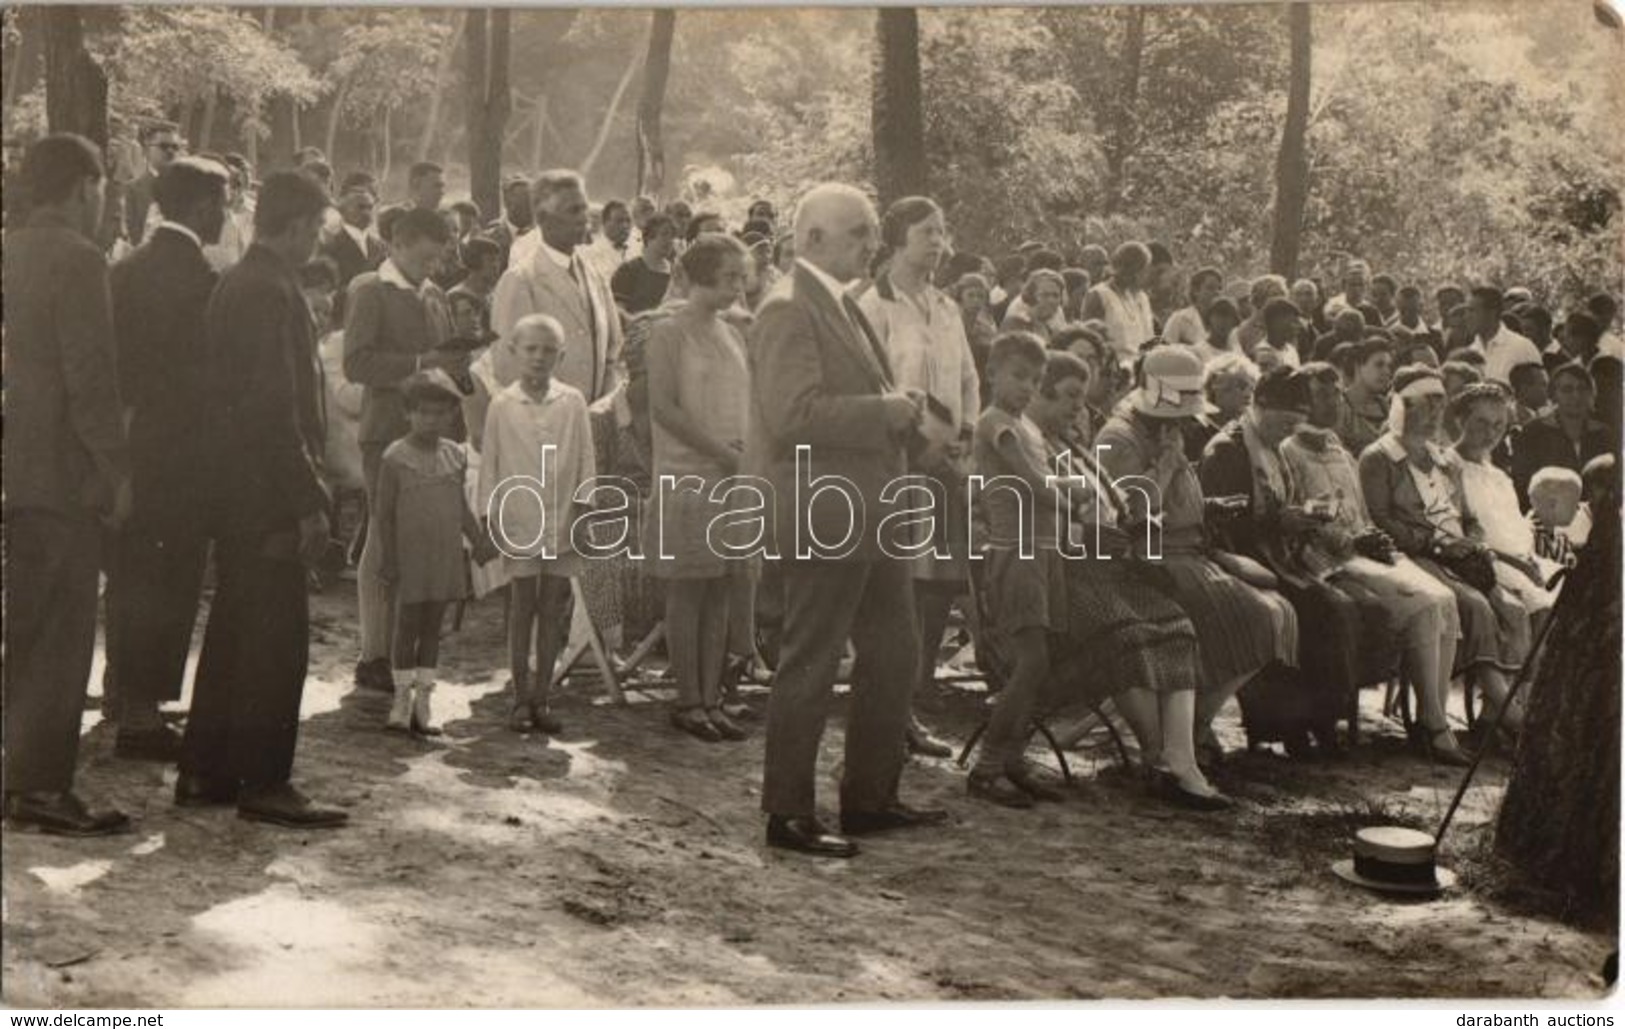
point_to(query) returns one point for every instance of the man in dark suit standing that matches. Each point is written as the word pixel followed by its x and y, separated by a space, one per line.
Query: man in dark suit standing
pixel 160 293
pixel 826 416
pixel 162 143
pixel 354 249
pixel 66 461
pixel 262 424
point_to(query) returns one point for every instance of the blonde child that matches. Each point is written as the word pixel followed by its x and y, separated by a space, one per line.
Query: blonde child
pixel 537 452
pixel 421 522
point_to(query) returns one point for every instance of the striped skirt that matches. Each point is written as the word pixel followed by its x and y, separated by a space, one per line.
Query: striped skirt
pixel 1241 628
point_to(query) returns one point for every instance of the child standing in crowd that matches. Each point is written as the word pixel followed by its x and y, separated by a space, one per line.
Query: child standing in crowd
pixel 537 451
pixel 422 521
pixel 698 383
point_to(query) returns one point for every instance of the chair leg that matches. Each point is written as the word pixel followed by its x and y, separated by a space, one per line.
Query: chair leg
pixel 970 744
pixel 1054 745
pixel 1117 737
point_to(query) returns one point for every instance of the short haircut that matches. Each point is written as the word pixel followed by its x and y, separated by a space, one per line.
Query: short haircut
pixel 1478 393
pixel 1264 288
pixel 549 184
pixel 467 207
pixel 1202 275
pixel 319 273
pixel 761 226
pixel 1415 373
pixel 1072 334
pixel 1077 281
pixel 479 250
pixel 1489 296
pixel 359 181
pixel 1553 479
pixel 421 389
pixel 1588 327
pixel 1321 372
pixel 1447 289
pixel 55 166
pixel 1043 258
pixel 421 171
pixel 901 216
pixel 1227 365
pixel 1524 374
pixel 236 161
pixel 1132 254
pixel 1280 308
pixel 188 181
pixel 759 205
pixel 1460 369
pixel 611 206
pixel 320 169
pixel 465 298
pixel 1060 366
pixel 417 224
pixel 1466 355
pixel 1011 266
pixel 1410 291
pixel 693 231
pixel 1345 357
pixel 1574 370
pixel 150 131
pixel 1370 347
pixel 1160 254
pixel 1224 305
pixel 1385 280
pixel 1603 307
pixel 703 258
pixel 305 154
pixel 285 198
pixel 1016 346
pixel 659 223
pixel 388 218
pixel 1029 289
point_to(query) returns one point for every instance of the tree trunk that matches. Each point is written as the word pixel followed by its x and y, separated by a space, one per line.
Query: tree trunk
pixel 486 34
pixel 898 120
pixel 442 76
pixel 1124 133
pixel 609 117
pixel 388 155
pixel 1559 821
pixel 331 139
pixel 538 141
pixel 1292 163
pixel 656 69
pixel 21 60
pixel 75 85
pixel 205 130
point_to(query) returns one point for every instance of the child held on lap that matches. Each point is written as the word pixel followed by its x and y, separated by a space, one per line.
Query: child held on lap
pixel 537 454
pixel 422 521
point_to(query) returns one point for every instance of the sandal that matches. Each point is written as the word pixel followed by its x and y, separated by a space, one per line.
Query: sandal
pixel 692 720
pixel 1443 748
pixel 725 726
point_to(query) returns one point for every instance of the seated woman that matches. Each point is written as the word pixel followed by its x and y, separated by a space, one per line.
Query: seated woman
pixel 1243 461
pixel 1106 615
pixel 1483 412
pixel 1357 558
pixel 1242 628
pixel 1227 386
pixel 1040 309
pixel 1413 488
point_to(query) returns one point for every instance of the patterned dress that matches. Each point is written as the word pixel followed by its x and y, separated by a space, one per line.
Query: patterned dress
pixel 428 486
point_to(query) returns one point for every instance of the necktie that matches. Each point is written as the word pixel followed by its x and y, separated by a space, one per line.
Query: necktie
pixel 861 324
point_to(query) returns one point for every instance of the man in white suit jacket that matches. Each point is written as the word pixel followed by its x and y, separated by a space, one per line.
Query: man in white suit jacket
pixel 554 279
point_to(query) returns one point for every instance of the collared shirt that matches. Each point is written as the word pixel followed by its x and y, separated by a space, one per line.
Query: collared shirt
pixel 605 257
pixel 925 343
pixel 390 273
pixel 517 429
pixel 1503 352
pixel 358 235
pixel 182 229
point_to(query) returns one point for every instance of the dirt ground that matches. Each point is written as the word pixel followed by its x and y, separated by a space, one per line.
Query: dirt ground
pixel 623 864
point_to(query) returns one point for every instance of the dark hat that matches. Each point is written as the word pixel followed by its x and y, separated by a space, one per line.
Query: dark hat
pixel 1283 389
pixel 1391 859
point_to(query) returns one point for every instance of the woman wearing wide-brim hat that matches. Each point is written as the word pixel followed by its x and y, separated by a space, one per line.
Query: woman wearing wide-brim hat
pixel 1243 628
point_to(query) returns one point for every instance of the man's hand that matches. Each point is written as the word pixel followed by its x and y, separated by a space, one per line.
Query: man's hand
pixel 902 410
pixel 1456 549
pixel 313 536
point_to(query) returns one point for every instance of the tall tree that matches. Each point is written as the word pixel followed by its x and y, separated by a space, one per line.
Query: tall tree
pixel 442 80
pixel 897 120
pixel 75 85
pixel 1124 131
pixel 1559 821
pixel 1292 162
pixel 656 70
pixel 486 36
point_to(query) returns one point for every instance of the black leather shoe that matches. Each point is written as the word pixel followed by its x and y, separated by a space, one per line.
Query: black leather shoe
pixel 196 791
pixel 62 814
pixel 923 744
pixel 808 836
pixel 898 816
pixel 375 675
pixel 157 744
pixel 285 806
pixel 1172 790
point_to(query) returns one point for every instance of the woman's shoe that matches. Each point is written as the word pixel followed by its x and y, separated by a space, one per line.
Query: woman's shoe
pixel 422 723
pixel 1037 784
pixel 997 788
pixel 400 711
pixel 1443 748
pixel 1171 789
pixel 692 720
pixel 724 725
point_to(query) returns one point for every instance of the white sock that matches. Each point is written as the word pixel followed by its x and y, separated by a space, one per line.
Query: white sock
pixel 425 677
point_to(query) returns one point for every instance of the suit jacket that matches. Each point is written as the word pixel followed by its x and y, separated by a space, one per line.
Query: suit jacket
pixel 137 202
pixel 64 428
pixel 592 334
pixel 386 329
pixel 263 413
pixel 160 295
pixel 818 377
pixel 351 259
pixel 1543 443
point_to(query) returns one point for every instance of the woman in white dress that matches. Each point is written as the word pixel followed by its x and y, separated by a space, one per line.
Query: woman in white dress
pixel 1122 302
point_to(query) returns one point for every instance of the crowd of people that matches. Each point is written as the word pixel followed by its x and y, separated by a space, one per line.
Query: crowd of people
pixel 1262 483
